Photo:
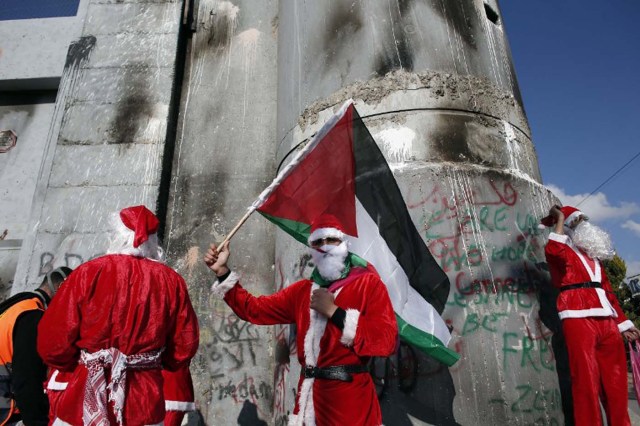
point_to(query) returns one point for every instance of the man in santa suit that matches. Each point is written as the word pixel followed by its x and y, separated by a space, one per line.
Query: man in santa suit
pixel 592 321
pixel 118 322
pixel 343 316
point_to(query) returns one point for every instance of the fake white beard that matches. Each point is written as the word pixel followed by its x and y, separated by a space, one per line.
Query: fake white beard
pixel 593 240
pixel 330 264
pixel 122 242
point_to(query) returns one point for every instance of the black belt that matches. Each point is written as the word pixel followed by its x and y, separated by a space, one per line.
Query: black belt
pixel 591 284
pixel 336 372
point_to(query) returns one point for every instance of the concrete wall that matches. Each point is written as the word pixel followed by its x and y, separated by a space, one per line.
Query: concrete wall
pixel 224 157
pixel 106 150
pixel 33 51
pixel 18 177
pixel 435 85
pixel 32 57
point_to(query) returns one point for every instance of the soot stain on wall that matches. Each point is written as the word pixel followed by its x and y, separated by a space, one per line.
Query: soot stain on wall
pixel 80 51
pixel 134 109
pixel 216 27
pixel 450 140
pixel 398 52
pixel 343 23
pixel 460 18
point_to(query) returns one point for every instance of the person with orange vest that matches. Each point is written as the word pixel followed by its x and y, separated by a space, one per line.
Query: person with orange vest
pixel 22 371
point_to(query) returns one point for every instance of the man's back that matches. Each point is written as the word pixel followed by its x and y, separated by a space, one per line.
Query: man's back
pixel 135 305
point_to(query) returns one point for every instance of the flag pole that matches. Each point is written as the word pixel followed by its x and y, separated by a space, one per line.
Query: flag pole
pixel 238 225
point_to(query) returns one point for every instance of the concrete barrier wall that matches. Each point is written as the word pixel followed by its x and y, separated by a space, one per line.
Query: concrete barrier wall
pixel 224 157
pixel 106 141
pixel 435 85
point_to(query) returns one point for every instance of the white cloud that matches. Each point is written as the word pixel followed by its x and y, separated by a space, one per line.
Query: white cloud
pixel 597 207
pixel 632 226
pixel 633 267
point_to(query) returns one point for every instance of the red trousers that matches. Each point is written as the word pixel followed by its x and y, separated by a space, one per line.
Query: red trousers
pixel 598 370
pixel 173 418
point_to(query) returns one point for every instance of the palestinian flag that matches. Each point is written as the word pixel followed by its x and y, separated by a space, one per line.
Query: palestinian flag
pixel 342 172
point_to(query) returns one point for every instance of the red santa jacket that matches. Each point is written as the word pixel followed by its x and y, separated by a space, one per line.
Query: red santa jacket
pixel 133 304
pixel 569 265
pixel 177 389
pixel 370 330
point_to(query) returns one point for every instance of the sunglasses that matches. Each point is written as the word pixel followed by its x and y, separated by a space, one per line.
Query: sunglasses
pixel 322 241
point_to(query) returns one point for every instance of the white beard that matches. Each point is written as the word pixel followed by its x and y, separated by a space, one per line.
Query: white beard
pixel 593 240
pixel 330 264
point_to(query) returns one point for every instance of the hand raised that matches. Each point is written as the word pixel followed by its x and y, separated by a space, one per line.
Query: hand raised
pixel 216 259
pixel 556 212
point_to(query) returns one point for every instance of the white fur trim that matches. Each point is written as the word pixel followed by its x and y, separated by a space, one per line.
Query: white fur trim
pixel 294 420
pixel 54 384
pixel 317 326
pixel 220 289
pixel 602 295
pixel 325 233
pixel 595 275
pixel 625 325
pixel 573 216
pixel 559 238
pixel 584 313
pixel 350 327
pixel 606 310
pixel 179 406
pixel 306 412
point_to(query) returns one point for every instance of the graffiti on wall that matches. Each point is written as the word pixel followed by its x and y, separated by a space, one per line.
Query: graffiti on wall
pixel 486 238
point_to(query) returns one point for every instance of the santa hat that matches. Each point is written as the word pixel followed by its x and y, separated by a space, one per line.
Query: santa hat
pixel 570 214
pixel 326 226
pixel 141 221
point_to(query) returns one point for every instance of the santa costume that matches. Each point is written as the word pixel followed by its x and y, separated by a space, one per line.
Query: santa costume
pixel 592 321
pixel 177 389
pixel 114 326
pixel 334 386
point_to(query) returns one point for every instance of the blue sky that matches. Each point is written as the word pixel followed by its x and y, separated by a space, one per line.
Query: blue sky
pixel 27 9
pixel 578 66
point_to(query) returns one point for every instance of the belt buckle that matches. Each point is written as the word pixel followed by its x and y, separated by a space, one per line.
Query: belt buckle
pixel 309 372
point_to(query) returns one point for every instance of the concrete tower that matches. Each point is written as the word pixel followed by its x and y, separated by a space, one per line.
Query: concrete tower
pixel 190 106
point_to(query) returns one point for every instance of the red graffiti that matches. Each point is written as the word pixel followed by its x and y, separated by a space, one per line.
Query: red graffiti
pixel 452 253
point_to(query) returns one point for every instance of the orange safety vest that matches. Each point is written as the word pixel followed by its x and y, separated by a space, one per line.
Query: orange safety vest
pixel 8 320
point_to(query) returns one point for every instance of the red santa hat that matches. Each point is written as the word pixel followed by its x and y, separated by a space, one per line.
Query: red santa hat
pixel 570 214
pixel 141 221
pixel 326 226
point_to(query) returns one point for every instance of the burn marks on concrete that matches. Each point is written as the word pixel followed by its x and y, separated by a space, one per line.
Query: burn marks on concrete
pixel 345 20
pixel 80 51
pixel 389 60
pixel 133 111
pixel 398 50
pixel 216 25
pixel 462 18
pixel 451 140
